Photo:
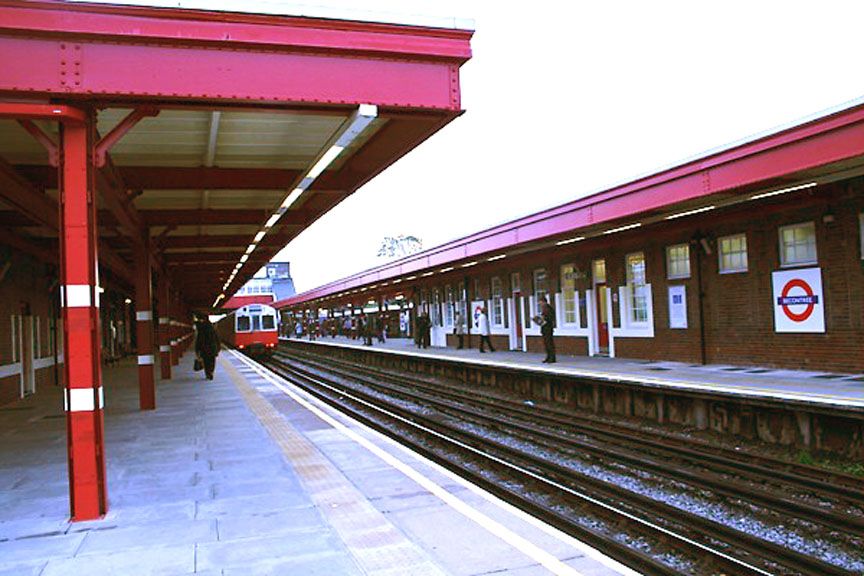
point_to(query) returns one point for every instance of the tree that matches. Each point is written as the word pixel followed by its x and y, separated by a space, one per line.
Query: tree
pixel 399 246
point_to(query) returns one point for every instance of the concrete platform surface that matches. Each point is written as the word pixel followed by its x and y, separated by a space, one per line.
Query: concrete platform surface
pixel 244 475
pixel 756 381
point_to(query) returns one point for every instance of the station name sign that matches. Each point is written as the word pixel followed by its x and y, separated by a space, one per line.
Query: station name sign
pixel 798 300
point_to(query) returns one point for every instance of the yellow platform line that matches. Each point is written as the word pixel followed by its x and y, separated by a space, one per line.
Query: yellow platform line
pixel 378 547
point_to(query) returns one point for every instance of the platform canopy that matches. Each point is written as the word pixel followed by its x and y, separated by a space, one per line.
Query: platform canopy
pixel 221 135
pixel 758 173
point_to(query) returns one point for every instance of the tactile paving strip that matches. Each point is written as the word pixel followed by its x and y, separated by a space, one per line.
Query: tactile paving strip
pixel 377 546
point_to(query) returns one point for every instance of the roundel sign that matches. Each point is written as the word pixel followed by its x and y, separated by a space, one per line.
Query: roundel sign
pixel 798 301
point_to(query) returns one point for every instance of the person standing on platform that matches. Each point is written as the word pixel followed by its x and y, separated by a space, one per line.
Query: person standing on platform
pixel 206 345
pixel 427 330
pixel 484 330
pixel 547 326
pixel 371 329
pixel 459 329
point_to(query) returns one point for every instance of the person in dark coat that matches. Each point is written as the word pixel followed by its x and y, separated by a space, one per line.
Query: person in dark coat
pixel 547 326
pixel 426 331
pixel 206 345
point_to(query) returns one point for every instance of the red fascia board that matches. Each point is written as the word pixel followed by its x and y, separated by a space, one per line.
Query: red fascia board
pixel 49 66
pixel 237 31
pixel 817 143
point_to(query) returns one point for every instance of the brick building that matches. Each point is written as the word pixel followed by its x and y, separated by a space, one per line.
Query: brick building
pixel 752 255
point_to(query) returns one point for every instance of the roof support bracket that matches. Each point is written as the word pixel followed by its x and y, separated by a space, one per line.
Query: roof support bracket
pixel 44 139
pixel 110 139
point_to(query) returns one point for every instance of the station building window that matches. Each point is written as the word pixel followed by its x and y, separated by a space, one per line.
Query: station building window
pixel 435 313
pixel 678 261
pixel 598 268
pixel 449 306
pixel 497 302
pixel 638 294
pixel 732 253
pixel 798 244
pixel 568 292
pixel 541 288
pixel 515 282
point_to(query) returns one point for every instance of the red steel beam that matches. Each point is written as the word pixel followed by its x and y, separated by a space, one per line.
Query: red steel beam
pixel 240 31
pixel 52 50
pixel 215 217
pixel 120 130
pixel 17 191
pixel 180 178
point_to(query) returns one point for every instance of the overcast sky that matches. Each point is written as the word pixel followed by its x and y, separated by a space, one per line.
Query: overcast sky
pixel 565 98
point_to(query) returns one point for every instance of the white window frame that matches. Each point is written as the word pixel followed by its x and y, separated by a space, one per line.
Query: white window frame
pixel 435 312
pixel 569 312
pixel 637 300
pixel 515 282
pixel 721 253
pixel 496 293
pixel 449 306
pixel 784 262
pixel 595 277
pixel 538 272
pixel 672 262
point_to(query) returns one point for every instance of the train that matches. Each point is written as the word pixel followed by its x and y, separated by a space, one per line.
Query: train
pixel 253 328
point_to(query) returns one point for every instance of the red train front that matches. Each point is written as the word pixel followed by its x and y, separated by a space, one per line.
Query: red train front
pixel 252 329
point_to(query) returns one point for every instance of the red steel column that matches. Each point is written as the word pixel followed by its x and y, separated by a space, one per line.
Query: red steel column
pixel 144 326
pixel 164 328
pixel 84 398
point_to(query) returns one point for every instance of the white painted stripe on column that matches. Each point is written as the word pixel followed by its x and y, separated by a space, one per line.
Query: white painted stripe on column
pixel 77 296
pixel 143 315
pixel 164 348
pixel 163 320
pixel 145 359
pixel 81 399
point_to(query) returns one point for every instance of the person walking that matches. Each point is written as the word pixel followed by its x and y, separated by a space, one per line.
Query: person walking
pixel 206 345
pixel 484 330
pixel 459 329
pixel 547 326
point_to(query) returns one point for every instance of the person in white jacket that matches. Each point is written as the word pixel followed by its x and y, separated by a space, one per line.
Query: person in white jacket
pixel 483 330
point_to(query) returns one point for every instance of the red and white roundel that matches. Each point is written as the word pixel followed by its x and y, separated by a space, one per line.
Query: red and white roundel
pixel 798 301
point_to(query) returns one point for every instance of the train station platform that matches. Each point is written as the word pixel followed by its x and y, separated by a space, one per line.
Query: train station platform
pixel 246 475
pixel 828 389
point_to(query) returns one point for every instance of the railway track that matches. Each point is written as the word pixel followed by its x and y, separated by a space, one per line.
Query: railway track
pixel 511 456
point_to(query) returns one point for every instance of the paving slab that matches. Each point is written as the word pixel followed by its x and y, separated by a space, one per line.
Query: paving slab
pixel 249 551
pixel 165 533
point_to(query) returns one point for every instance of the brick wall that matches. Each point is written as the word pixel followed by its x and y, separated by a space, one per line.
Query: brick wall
pixel 25 289
pixel 738 309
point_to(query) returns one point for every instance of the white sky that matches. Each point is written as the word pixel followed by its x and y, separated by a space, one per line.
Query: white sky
pixel 565 98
